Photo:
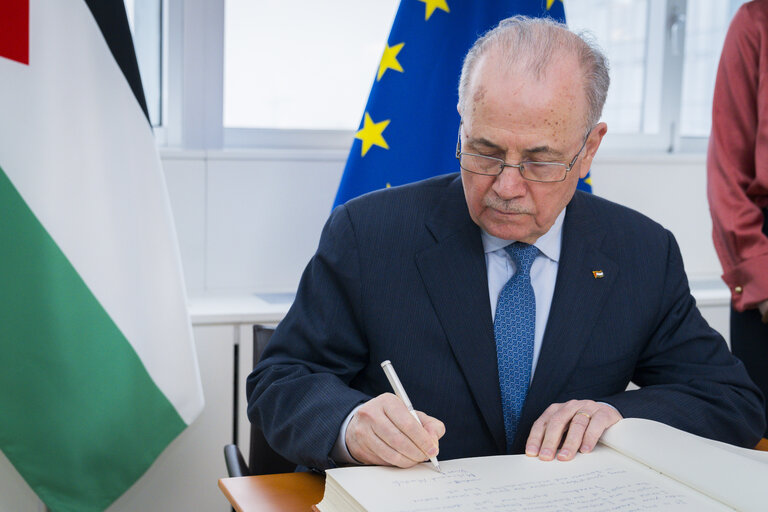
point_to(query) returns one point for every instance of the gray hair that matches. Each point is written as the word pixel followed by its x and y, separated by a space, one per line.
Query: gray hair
pixel 532 43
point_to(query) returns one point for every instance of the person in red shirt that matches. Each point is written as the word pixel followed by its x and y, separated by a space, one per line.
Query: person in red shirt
pixel 737 182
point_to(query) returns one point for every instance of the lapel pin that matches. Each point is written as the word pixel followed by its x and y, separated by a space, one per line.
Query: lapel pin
pixel 598 274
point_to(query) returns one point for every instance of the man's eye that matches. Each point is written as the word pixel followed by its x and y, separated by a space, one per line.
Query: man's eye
pixel 480 152
pixel 541 165
pixel 486 160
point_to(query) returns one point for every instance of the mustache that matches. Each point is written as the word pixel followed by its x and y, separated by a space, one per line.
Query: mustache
pixel 505 205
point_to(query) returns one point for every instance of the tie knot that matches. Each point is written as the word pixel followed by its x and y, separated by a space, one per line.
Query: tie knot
pixel 523 255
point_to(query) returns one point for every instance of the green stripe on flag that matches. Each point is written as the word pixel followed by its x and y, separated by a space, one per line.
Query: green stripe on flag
pixel 76 399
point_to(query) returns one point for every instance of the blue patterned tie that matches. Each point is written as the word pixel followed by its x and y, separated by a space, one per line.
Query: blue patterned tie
pixel 513 328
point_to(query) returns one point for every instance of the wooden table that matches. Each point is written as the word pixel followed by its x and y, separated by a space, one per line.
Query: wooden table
pixel 286 492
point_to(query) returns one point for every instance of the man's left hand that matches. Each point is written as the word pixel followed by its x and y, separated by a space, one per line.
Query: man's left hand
pixel 581 421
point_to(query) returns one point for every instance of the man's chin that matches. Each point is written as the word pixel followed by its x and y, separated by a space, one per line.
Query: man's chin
pixel 511 226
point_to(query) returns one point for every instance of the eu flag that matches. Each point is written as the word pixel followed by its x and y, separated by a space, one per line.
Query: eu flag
pixel 408 130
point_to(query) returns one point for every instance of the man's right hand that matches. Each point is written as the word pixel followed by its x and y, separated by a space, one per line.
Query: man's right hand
pixel 383 432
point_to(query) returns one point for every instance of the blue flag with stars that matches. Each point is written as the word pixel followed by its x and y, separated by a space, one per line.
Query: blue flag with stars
pixel 408 130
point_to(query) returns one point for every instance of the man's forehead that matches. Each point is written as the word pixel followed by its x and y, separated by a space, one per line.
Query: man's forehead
pixel 500 89
pixel 497 62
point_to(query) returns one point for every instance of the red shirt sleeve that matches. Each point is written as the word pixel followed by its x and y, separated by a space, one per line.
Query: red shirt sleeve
pixel 737 160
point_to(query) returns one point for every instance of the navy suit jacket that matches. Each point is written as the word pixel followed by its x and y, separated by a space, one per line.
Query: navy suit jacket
pixel 400 274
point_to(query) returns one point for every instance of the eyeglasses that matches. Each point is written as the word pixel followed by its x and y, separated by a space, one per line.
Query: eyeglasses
pixel 544 172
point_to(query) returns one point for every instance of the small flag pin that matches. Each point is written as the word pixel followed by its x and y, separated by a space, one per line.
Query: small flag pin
pixel 598 274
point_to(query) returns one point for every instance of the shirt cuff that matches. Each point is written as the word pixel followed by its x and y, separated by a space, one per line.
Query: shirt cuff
pixel 748 282
pixel 340 453
pixel 612 407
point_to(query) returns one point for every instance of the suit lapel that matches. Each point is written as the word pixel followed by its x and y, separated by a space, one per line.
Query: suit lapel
pixel 577 303
pixel 454 274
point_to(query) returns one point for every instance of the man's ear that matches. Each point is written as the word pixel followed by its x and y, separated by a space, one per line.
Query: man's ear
pixel 590 148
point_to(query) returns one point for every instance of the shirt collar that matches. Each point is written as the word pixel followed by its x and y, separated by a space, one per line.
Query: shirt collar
pixel 548 244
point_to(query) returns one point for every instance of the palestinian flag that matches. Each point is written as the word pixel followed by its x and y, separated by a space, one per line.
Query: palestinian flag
pixel 98 371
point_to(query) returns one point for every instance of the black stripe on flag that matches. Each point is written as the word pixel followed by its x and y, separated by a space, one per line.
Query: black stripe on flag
pixel 112 20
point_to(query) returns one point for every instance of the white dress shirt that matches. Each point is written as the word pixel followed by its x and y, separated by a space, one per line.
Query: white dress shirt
pixel 500 269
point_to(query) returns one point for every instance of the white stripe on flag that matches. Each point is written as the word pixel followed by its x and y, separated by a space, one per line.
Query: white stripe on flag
pixel 114 224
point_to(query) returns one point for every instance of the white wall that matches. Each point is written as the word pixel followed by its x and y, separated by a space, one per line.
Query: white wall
pixel 671 189
pixel 248 221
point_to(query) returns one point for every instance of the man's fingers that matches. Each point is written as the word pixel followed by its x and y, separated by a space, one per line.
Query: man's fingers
pixel 434 426
pixel 556 428
pixel 582 422
pixel 603 418
pixel 393 456
pixel 383 431
pixel 392 423
pixel 573 439
pixel 536 436
pixel 371 449
pixel 405 434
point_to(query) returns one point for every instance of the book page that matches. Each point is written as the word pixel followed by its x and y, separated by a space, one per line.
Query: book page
pixel 732 475
pixel 759 456
pixel 602 481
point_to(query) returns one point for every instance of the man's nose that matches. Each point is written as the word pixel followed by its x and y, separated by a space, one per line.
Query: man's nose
pixel 509 184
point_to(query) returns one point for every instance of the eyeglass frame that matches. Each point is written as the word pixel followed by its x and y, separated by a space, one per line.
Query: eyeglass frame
pixel 503 164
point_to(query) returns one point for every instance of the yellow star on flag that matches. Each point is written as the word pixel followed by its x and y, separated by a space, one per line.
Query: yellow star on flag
pixel 550 2
pixel 431 5
pixel 588 181
pixel 389 60
pixel 371 133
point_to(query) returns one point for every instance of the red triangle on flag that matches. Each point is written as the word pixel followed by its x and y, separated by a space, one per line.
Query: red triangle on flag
pixel 14 30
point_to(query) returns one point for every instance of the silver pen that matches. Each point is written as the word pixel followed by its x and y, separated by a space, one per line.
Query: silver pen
pixel 397 386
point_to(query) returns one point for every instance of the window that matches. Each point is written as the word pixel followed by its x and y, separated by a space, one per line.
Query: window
pixel 663 56
pixel 277 74
pixel 302 64
pixel 706 25
pixel 620 29
pixel 145 18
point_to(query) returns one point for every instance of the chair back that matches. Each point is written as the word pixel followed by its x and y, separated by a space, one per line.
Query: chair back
pixel 262 459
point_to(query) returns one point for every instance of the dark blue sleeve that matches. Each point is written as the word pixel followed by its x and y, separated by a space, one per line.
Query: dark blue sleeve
pixel 687 376
pixel 299 393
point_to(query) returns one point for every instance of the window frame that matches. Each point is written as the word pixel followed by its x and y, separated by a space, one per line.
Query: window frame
pixel 193 88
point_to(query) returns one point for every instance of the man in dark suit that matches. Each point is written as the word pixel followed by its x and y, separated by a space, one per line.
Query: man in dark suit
pixel 515 309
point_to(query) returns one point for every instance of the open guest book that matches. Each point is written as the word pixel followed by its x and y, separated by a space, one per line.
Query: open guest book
pixel 638 465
